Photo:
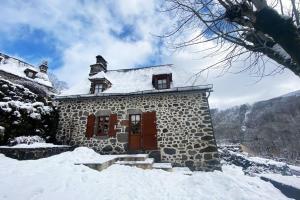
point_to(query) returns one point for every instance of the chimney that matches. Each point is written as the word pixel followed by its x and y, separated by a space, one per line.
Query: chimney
pixel 44 67
pixel 101 65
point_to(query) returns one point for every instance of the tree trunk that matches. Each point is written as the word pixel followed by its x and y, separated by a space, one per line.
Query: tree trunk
pixel 283 31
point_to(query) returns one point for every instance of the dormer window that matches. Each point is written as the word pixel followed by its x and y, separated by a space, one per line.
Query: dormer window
pixel 162 81
pixel 98 88
pixel 30 73
pixel 98 85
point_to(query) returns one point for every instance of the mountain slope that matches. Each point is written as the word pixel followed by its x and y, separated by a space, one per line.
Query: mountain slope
pixel 267 128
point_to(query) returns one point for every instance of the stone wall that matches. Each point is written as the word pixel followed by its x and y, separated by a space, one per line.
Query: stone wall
pixel 33 153
pixel 184 130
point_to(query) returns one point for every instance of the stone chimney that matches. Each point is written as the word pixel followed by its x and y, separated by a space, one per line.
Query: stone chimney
pixel 101 65
pixel 44 67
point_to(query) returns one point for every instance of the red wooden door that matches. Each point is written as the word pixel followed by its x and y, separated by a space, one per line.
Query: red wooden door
pixel 149 132
pixel 134 137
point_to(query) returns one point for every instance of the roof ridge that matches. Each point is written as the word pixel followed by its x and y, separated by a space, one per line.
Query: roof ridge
pixel 19 60
pixel 138 68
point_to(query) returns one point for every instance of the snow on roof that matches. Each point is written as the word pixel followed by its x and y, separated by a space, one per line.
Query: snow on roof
pixel 99 76
pixel 136 80
pixel 17 67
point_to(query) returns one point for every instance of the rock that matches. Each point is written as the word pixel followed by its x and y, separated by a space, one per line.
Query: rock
pixel 207 138
pixel 189 164
pixel 107 148
pixel 207 156
pixel 208 149
pixel 169 151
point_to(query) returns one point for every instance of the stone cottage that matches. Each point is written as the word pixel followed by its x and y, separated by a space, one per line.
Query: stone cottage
pixel 156 110
pixel 22 73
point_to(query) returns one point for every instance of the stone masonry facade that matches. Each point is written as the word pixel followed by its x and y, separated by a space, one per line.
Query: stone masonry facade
pixel 184 129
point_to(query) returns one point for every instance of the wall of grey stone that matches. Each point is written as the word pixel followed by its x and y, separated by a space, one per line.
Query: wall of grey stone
pixel 33 153
pixel 184 130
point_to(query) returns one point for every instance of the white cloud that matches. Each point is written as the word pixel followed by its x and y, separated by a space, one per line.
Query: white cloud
pixel 83 29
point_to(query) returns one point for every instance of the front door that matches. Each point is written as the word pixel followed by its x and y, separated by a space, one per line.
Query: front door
pixel 135 134
pixel 142 131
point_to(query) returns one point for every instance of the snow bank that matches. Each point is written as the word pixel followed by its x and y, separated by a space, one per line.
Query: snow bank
pixel 57 177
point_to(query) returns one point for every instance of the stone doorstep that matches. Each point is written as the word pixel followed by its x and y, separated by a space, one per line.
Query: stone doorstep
pixel 137 157
pixel 163 166
pixel 146 164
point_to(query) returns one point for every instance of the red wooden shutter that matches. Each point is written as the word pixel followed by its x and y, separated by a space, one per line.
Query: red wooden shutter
pixel 113 120
pixel 149 132
pixel 90 126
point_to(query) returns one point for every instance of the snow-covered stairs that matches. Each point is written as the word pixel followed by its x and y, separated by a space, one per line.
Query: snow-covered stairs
pixel 134 160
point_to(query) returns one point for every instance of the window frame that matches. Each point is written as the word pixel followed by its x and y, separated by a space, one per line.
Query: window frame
pixel 162 81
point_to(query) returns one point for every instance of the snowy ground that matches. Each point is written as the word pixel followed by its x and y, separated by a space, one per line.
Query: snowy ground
pixel 57 177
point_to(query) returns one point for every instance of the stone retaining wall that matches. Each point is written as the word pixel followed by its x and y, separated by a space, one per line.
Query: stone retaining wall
pixel 184 131
pixel 33 153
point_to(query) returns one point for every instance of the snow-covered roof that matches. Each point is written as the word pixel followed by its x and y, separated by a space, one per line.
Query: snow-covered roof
pixel 17 67
pixel 137 80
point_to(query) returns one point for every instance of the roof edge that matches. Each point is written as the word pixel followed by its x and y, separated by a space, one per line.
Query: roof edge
pixel 144 92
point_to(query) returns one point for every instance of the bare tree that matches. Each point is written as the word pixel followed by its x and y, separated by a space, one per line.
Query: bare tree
pixel 252 28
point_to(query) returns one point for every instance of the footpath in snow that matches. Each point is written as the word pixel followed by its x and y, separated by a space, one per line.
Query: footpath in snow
pixel 57 177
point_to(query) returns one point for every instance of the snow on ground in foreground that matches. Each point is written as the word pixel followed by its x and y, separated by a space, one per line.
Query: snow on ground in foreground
pixel 57 177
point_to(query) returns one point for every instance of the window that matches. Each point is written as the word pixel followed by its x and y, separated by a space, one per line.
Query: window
pixel 103 125
pixel 162 84
pixel 98 88
pixel 161 81
pixel 135 124
pixel 30 74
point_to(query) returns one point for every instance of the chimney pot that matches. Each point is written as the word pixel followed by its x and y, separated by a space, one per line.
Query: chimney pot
pixel 101 65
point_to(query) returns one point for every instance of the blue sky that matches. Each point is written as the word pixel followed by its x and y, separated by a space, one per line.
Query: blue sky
pixel 70 35
pixel 33 46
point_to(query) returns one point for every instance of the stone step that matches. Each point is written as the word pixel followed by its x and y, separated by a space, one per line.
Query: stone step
pixel 133 157
pixel 163 166
pixel 99 166
pixel 146 164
